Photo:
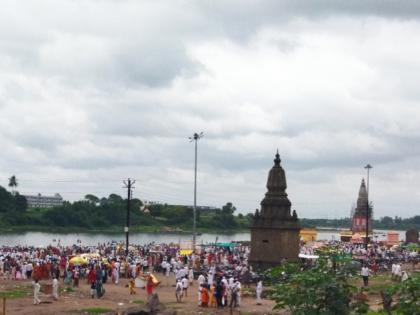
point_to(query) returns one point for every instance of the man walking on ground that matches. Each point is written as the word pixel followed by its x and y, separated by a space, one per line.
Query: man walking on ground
pixel 259 291
pixel 37 288
pixel 184 282
pixel 398 272
pixel 365 275
pixel 201 279
pixel 55 289
pixel 178 291
pixel 234 294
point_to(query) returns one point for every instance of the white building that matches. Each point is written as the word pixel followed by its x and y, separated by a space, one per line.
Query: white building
pixel 39 201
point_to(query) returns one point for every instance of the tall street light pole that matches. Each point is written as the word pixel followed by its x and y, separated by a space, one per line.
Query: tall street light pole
pixel 367 167
pixel 195 138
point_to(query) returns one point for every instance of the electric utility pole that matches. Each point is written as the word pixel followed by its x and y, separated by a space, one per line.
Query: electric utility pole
pixel 129 185
pixel 195 138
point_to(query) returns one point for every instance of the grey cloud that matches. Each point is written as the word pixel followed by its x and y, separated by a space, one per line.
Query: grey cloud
pixel 100 89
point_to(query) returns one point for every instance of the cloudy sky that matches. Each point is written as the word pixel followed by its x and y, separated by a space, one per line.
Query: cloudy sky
pixel 92 92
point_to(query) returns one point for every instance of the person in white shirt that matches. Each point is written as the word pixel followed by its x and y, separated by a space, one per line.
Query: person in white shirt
pixel 234 294
pixel 259 292
pixel 168 268
pixel 184 282
pixel 116 272
pixel 55 289
pixel 393 270
pixel 404 276
pixel 239 285
pixel 178 291
pixel 37 288
pixel 398 272
pixel 365 275
pixel 211 273
pixel 24 270
pixel 201 279
pixel 191 276
pixel 225 296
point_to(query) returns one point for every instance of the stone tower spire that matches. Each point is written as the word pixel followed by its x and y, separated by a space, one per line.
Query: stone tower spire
pixel 275 204
pixel 362 199
pixel 359 216
pixel 275 231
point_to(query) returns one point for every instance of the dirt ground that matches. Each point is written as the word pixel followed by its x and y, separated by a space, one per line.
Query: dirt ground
pixel 117 298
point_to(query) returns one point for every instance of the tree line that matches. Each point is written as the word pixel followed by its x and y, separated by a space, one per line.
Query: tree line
pixel 105 212
pixel 96 213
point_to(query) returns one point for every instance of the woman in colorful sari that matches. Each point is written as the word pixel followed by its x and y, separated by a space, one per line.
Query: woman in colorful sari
pixel 149 286
pixel 204 296
pixel 212 297
pixel 91 276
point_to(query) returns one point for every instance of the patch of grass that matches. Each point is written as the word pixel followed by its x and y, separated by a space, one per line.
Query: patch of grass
pixel 96 310
pixel 381 277
pixel 13 294
pixel 377 288
pixel 67 289
pixel 174 305
pixel 138 302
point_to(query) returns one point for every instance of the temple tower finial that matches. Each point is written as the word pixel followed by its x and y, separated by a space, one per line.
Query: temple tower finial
pixel 277 159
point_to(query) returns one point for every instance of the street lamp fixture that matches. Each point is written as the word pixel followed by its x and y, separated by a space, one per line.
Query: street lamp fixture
pixel 195 138
pixel 367 167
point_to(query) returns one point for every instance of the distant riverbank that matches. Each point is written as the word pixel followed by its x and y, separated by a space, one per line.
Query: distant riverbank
pixel 138 229
pixel 114 229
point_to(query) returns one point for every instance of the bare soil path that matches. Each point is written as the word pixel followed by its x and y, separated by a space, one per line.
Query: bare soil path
pixel 116 298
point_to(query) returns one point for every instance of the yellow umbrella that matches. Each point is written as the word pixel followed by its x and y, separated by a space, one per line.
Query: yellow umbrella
pixel 78 260
pixel 90 255
pixel 184 252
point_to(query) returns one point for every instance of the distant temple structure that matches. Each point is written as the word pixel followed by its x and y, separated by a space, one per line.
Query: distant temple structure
pixel 275 231
pixel 358 215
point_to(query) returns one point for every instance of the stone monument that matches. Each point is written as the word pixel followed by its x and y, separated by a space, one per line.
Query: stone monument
pixel 412 236
pixel 275 231
pixel 359 216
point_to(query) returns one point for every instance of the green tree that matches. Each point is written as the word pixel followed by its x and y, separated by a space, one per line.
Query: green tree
pixel 316 291
pixel 7 203
pixel 136 204
pixel 114 198
pixel 387 220
pixel 408 293
pixel 228 209
pixel 21 203
pixel 13 183
pixel 92 198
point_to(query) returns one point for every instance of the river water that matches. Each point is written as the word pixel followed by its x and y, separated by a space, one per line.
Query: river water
pixel 43 239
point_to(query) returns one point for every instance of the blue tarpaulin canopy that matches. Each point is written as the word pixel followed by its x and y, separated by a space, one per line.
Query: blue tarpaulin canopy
pixel 220 244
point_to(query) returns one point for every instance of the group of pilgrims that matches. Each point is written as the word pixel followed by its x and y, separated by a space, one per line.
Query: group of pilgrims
pixel 217 271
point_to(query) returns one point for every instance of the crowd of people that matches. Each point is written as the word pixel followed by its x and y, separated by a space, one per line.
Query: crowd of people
pixel 376 258
pixel 220 272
